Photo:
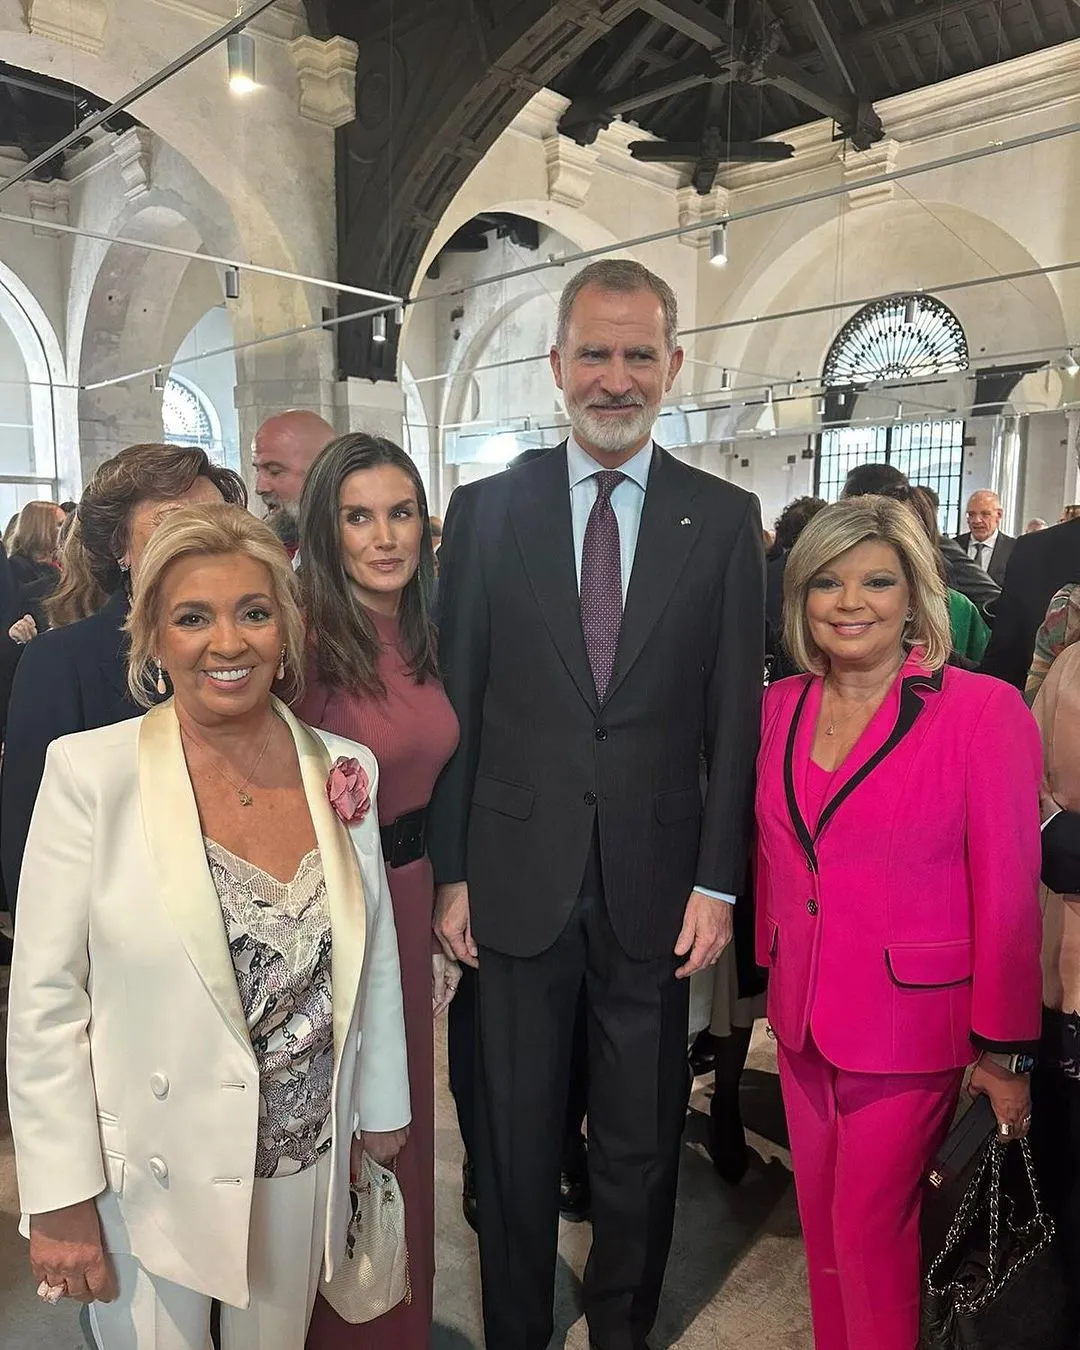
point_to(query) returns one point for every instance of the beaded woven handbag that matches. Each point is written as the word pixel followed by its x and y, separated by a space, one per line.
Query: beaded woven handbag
pixel 373 1275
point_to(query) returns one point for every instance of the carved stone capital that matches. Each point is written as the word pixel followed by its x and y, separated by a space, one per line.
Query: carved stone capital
pixel 79 23
pixel 49 203
pixel 327 73
pixel 134 152
pixel 569 169
pixel 693 207
pixel 879 159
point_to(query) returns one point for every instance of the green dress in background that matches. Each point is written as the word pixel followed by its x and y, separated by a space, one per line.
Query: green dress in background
pixel 970 631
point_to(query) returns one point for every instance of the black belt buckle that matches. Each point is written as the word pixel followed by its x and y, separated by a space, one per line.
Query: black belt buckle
pixel 405 840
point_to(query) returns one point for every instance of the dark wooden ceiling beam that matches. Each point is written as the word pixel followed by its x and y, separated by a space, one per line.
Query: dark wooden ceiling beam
pixel 972 41
pixel 631 53
pixel 691 18
pixel 1036 24
pixel 813 14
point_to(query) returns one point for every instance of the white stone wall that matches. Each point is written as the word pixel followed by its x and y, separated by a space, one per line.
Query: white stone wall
pixel 247 177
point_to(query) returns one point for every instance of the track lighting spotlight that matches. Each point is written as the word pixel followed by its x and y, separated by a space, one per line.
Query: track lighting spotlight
pixel 159 381
pixel 725 381
pixel 378 328
pixel 1070 365
pixel 399 317
pixel 911 310
pixel 232 283
pixel 240 48
pixel 769 397
pixel 718 247
pixel 822 408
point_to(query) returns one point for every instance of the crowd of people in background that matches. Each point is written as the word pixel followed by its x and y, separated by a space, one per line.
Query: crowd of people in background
pixel 277 794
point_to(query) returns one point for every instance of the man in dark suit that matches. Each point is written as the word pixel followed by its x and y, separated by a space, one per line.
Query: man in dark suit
pixel 984 542
pixel 1039 565
pixel 602 631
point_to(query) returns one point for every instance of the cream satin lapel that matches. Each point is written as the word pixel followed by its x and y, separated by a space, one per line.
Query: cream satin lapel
pixel 344 886
pixel 174 836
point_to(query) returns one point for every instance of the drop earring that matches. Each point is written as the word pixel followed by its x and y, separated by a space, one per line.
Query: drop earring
pixel 161 686
pixel 281 665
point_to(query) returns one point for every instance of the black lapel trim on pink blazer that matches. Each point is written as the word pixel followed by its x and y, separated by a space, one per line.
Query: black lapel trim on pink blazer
pixel 911 705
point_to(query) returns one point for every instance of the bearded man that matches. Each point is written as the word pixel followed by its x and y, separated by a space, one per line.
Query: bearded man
pixel 602 631
pixel 284 449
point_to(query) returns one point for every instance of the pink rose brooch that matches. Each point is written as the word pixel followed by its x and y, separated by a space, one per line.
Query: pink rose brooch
pixel 349 790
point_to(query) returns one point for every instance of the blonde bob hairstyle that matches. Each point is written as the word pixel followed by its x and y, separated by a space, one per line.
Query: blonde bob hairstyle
pixel 217 531
pixel 844 526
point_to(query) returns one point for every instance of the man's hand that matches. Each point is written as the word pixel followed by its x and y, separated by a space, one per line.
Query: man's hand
pixel 706 931
pixel 382 1148
pixel 452 926
pixel 66 1252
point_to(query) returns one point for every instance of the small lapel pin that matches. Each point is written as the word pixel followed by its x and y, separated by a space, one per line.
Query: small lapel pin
pixel 686 521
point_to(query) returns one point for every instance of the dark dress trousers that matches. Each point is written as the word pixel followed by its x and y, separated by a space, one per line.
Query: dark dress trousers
pixel 1039 565
pixel 581 830
pixel 69 679
pixel 999 559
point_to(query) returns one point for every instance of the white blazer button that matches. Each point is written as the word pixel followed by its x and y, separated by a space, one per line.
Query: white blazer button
pixel 159 1169
pixel 159 1086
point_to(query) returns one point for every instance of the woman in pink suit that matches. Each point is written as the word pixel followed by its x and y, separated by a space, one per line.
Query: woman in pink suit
pixel 898 913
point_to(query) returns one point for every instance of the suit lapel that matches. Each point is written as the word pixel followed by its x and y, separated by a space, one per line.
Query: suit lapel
pixel 890 725
pixel 175 838
pixel 540 515
pixel 341 870
pixel 669 529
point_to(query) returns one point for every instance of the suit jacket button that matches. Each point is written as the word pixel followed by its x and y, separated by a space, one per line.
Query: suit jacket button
pixel 159 1086
pixel 811 907
pixel 601 733
pixel 590 799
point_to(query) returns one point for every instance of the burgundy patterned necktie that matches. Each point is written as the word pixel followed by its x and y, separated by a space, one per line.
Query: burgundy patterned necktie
pixel 601 582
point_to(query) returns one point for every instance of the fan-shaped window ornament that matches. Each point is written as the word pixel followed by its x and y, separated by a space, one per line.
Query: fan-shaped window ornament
pixel 906 337
pixel 185 416
pixel 903 337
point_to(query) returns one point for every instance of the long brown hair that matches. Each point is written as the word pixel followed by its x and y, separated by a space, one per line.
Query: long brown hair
pixel 37 533
pixel 341 634
pixel 100 535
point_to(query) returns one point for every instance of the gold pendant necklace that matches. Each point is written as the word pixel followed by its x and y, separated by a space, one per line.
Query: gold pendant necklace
pixel 240 789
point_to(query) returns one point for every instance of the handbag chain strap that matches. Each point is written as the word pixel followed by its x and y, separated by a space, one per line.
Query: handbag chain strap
pixel 970 1207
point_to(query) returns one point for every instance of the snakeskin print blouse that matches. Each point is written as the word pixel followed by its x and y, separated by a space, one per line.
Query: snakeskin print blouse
pixel 279 937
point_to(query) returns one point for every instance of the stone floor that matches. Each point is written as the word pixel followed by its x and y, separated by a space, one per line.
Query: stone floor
pixel 735 1280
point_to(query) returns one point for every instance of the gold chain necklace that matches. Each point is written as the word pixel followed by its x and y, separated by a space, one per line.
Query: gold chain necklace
pixel 240 789
pixel 879 693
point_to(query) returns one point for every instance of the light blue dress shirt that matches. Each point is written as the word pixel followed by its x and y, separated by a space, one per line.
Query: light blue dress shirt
pixel 627 501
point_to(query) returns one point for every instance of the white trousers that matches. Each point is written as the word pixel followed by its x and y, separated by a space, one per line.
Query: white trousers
pixel 288 1226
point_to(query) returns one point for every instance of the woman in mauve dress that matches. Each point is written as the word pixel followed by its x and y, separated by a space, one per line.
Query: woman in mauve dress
pixel 367 568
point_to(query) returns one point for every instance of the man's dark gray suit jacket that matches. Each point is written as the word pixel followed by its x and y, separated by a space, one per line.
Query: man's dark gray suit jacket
pixel 541 763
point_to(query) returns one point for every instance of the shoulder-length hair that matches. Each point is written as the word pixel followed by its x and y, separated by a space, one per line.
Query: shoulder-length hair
pixel 342 636
pixel 37 534
pixel 101 533
pixel 218 531
pixel 844 526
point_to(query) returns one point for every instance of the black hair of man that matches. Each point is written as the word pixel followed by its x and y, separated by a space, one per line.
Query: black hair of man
pixel 876 480
pixel 794 518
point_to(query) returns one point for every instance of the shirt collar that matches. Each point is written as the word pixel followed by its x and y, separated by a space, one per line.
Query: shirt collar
pixel 986 543
pixel 582 465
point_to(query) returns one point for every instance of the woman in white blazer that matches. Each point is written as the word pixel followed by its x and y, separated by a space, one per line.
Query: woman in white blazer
pixel 199 1047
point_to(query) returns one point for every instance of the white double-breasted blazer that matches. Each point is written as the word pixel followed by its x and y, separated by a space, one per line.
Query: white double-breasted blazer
pixel 131 1073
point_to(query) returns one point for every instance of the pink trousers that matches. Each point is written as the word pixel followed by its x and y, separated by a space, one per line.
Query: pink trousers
pixel 860 1145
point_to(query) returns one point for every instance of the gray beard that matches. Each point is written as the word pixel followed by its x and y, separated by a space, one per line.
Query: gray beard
pixel 611 436
pixel 286 525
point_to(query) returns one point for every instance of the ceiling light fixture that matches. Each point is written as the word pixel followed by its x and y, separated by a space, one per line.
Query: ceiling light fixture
pixel 378 328
pixel 725 381
pixel 769 397
pixel 1070 365
pixel 240 48
pixel 232 283
pixel 159 381
pixel 911 310
pixel 399 316
pixel 718 247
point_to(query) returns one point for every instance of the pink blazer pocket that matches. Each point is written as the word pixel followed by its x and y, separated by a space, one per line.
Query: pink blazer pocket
pixel 930 965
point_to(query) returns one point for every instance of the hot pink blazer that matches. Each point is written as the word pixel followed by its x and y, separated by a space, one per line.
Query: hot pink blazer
pixel 903 928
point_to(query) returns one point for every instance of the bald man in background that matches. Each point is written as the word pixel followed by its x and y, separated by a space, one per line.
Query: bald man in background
pixel 284 449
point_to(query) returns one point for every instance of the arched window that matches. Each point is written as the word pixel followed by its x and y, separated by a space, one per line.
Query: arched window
pixel 188 417
pixel 901 338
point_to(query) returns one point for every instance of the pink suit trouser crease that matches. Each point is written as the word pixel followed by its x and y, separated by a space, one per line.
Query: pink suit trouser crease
pixel 860 1146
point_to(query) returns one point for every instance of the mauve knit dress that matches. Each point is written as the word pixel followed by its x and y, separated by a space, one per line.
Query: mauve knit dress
pixel 413 731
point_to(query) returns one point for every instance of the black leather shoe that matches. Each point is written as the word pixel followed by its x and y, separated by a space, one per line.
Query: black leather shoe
pixel 468 1194
pixel 727 1141
pixel 575 1193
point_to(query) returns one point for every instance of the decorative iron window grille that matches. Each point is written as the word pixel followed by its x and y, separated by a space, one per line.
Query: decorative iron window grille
pixel 185 417
pixel 904 337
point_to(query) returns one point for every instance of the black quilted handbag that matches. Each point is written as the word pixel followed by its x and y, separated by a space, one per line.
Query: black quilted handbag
pixel 995 1283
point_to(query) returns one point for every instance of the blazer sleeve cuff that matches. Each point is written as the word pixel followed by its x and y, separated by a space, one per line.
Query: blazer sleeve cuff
pixel 982 1043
